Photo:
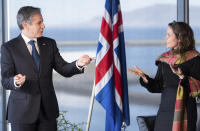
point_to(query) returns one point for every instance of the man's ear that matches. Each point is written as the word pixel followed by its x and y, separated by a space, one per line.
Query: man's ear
pixel 24 25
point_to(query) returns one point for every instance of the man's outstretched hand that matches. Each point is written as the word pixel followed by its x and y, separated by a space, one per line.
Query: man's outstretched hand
pixel 85 60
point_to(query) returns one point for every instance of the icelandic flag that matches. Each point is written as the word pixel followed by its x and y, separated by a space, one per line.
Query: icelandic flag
pixel 111 88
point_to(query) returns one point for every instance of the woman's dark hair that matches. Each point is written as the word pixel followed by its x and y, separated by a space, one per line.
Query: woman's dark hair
pixel 185 35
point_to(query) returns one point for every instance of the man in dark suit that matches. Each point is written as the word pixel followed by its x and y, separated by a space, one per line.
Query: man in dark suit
pixel 27 62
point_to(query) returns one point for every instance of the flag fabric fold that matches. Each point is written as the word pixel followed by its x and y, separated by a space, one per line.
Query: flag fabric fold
pixel 111 88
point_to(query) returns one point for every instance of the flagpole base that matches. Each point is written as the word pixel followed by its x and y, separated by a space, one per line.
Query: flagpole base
pixel 124 126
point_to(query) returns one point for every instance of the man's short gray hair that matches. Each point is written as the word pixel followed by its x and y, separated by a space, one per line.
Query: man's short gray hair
pixel 25 14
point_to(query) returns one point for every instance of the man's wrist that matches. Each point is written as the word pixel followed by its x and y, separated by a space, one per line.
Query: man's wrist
pixel 79 67
pixel 17 86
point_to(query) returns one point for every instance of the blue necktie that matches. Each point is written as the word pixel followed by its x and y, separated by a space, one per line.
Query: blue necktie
pixel 35 54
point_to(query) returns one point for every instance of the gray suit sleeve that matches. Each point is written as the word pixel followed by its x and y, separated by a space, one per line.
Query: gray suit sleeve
pixel 61 66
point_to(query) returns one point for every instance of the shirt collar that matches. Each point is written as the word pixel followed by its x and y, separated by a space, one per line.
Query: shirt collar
pixel 26 39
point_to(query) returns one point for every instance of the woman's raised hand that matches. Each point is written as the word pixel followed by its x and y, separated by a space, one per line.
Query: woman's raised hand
pixel 139 73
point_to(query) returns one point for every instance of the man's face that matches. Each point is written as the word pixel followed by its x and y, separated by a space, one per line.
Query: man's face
pixel 35 28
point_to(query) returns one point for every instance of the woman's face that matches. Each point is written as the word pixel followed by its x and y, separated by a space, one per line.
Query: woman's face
pixel 171 40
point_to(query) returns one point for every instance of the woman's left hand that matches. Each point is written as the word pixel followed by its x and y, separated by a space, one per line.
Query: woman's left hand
pixel 177 71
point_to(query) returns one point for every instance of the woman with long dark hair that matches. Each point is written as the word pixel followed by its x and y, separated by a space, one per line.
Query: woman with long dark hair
pixel 177 78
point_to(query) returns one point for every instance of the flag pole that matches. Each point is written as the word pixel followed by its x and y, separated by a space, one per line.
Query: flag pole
pixel 123 126
pixel 90 110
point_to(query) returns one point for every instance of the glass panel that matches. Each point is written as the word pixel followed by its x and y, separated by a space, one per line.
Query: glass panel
pixel 195 18
pixel 75 25
pixel 194 9
pixel 145 24
pixel 1 90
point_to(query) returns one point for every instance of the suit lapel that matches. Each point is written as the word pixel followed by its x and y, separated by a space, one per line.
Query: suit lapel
pixel 25 52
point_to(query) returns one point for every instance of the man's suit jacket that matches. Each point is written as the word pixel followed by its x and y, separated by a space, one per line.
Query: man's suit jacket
pixel 24 103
